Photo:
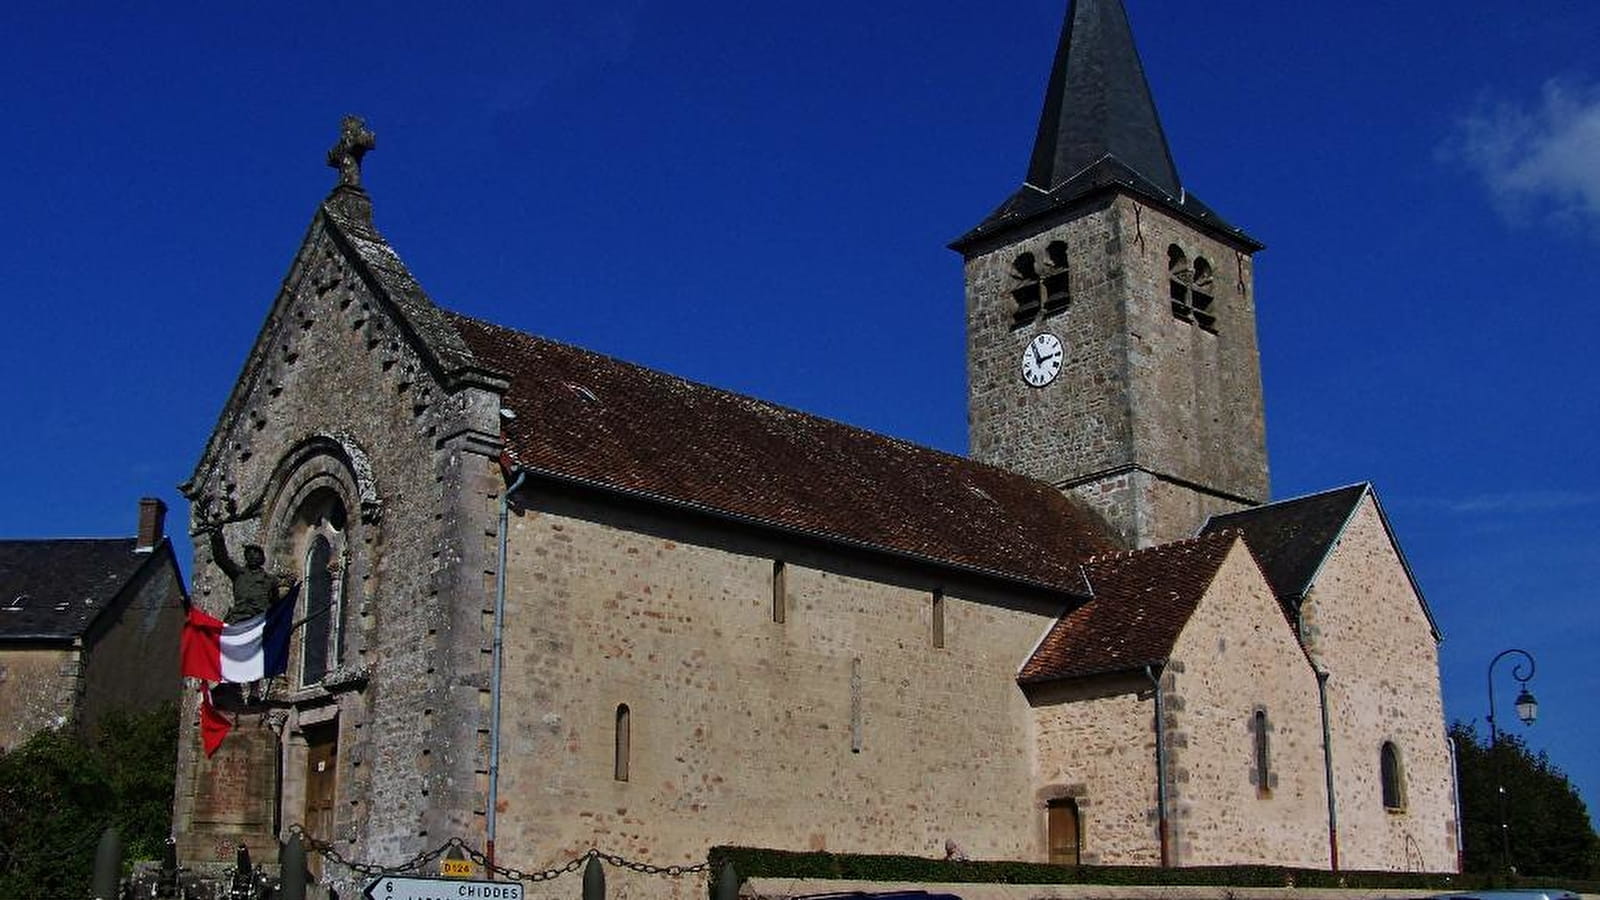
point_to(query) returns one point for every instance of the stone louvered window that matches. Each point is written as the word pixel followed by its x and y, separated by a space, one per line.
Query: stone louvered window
pixel 623 746
pixel 1392 776
pixel 1191 287
pixel 1042 288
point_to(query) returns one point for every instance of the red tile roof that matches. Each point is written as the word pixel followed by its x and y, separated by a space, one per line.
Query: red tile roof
pixel 590 418
pixel 1141 602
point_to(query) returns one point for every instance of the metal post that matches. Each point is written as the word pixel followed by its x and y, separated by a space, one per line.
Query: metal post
pixel 728 882
pixel 1494 748
pixel 107 865
pixel 293 877
pixel 594 880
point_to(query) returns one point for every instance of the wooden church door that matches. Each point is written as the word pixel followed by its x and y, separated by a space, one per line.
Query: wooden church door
pixel 322 755
pixel 1063 826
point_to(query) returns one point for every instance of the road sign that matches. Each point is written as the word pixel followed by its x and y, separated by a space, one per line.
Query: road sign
pixel 394 887
pixel 455 868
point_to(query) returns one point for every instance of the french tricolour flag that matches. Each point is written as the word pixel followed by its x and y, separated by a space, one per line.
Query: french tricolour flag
pixel 245 651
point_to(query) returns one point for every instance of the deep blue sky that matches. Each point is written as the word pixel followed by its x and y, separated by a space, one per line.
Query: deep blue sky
pixel 758 196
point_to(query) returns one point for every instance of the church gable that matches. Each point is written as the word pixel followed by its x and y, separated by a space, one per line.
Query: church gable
pixel 351 340
pixel 1295 539
pixel 1141 602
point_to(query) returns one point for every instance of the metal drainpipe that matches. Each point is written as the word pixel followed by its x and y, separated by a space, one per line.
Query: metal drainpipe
pixel 1327 768
pixel 1455 797
pixel 494 683
pixel 1161 767
pixel 1327 736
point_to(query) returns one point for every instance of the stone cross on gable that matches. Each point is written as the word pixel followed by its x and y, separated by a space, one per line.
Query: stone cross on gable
pixel 354 142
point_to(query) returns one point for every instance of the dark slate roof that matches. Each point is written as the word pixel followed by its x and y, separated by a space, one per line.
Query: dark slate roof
pixel 591 419
pixel 1141 602
pixel 55 588
pixel 1099 131
pixel 1291 538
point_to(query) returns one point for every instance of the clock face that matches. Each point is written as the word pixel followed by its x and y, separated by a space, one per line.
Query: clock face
pixel 1041 361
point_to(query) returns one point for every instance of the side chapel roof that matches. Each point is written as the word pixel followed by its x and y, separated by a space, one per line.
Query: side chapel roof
pixel 597 421
pixel 1140 602
pixel 54 589
pixel 1099 131
pixel 1292 538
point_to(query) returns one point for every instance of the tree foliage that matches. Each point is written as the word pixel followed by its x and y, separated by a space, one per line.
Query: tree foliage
pixel 59 792
pixel 1548 826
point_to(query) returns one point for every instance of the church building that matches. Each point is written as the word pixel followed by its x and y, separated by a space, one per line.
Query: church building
pixel 554 600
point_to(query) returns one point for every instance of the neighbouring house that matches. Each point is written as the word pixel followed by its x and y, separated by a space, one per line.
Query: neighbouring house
pixel 87 625
pixel 555 600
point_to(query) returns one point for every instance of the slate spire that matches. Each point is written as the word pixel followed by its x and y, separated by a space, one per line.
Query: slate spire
pixel 1098 104
pixel 1099 132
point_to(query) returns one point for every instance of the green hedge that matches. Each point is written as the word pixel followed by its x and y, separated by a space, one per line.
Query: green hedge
pixel 752 862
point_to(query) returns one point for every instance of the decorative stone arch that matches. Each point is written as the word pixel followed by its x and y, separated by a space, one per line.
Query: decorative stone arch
pixel 322 503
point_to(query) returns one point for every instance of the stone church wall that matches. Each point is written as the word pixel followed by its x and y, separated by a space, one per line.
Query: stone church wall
pixel 841 728
pixel 1238 655
pixel 1097 746
pixel 1365 624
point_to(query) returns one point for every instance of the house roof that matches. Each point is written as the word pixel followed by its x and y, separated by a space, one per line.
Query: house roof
pixel 1140 602
pixel 54 589
pixel 592 419
pixel 1098 131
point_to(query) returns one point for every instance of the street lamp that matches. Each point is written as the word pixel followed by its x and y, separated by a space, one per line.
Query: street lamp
pixel 1528 711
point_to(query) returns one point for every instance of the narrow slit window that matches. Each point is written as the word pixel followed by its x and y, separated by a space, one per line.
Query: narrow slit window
pixel 780 591
pixel 1262 769
pixel 624 741
pixel 938 618
pixel 1392 776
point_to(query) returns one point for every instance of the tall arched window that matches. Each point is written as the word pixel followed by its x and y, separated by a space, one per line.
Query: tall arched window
pixel 624 741
pixel 322 611
pixel 1392 776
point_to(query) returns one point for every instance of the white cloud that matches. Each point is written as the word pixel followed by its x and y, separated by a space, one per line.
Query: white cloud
pixel 1510 502
pixel 1537 160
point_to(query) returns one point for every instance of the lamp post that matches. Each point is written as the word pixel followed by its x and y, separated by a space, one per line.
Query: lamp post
pixel 1528 712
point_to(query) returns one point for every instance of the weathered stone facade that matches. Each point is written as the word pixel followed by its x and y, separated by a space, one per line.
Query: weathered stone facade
pixel 1366 625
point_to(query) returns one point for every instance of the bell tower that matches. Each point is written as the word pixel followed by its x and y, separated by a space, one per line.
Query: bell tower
pixel 1111 328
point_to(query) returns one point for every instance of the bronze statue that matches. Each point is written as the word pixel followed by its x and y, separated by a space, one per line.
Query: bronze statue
pixel 254 589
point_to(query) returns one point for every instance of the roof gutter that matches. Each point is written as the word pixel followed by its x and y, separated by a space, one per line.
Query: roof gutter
pixel 495 666
pixel 790 530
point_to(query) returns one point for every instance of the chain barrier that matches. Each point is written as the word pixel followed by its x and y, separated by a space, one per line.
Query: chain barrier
pixel 328 851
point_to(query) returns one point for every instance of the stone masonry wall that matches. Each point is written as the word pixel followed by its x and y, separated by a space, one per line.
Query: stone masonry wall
pixel 1238 655
pixel 841 728
pixel 38 688
pixel 1097 745
pixel 1139 388
pixel 1365 624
